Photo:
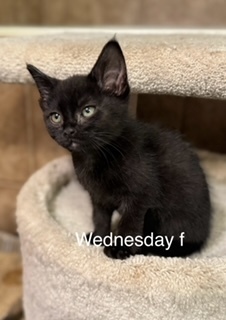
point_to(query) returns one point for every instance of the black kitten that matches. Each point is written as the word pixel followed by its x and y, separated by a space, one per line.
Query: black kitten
pixel 149 175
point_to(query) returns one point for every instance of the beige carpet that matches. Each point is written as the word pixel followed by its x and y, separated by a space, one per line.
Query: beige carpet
pixel 179 64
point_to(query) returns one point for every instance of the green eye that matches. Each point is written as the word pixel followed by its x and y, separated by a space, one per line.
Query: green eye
pixel 56 118
pixel 87 112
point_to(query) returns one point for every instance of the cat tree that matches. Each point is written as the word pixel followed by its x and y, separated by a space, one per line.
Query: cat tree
pixel 63 280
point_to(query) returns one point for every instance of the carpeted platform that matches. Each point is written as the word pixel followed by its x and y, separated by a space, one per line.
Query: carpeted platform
pixel 190 64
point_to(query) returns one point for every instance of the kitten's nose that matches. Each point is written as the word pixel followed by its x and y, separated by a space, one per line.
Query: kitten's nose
pixel 69 132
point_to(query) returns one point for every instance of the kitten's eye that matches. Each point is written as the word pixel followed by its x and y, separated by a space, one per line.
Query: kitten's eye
pixel 88 111
pixel 56 118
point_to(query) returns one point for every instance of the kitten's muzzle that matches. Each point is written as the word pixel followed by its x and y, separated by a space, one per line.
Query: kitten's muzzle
pixel 69 132
pixel 73 145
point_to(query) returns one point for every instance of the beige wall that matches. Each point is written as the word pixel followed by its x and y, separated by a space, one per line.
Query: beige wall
pixel 24 145
pixel 201 121
pixel 205 13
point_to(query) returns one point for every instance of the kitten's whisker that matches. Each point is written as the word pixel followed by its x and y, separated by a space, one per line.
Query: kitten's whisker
pixel 98 148
pixel 116 173
pixel 132 144
pixel 117 149
pixel 111 155
pixel 107 135
pixel 114 145
pixel 105 149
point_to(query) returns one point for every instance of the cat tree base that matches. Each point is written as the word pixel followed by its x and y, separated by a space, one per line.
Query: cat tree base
pixel 63 280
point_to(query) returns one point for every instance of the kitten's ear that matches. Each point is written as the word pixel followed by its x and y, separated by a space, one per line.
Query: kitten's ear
pixel 44 83
pixel 110 70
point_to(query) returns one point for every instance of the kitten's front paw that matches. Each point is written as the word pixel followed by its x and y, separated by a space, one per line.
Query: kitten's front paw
pixel 117 252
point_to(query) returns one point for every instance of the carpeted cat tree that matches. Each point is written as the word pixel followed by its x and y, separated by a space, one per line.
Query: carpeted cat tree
pixel 63 280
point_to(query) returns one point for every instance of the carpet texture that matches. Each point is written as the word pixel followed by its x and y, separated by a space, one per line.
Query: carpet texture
pixel 63 280
pixel 179 64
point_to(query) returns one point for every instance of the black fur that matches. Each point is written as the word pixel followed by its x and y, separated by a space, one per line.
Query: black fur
pixel 149 175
